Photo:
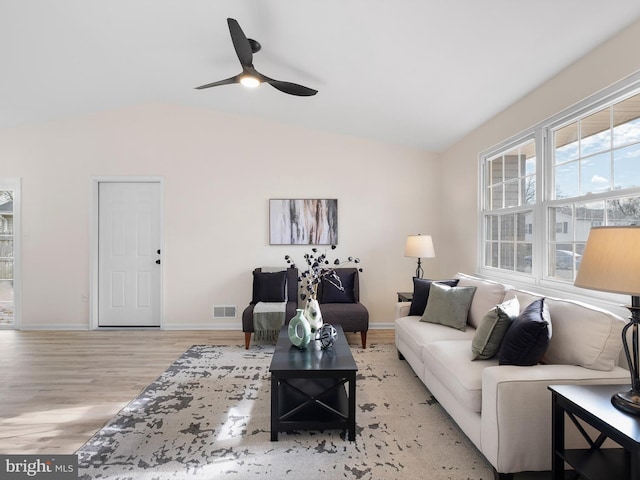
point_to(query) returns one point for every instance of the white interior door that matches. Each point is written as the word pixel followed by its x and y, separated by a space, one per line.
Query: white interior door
pixel 129 254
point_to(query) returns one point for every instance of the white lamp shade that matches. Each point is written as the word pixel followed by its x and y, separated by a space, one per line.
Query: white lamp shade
pixel 419 246
pixel 611 260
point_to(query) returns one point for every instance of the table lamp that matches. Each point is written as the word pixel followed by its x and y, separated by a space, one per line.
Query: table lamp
pixel 419 246
pixel 611 263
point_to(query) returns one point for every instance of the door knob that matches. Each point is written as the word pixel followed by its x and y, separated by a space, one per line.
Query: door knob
pixel 158 262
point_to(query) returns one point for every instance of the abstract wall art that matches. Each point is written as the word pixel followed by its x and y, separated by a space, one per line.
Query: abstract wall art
pixel 303 221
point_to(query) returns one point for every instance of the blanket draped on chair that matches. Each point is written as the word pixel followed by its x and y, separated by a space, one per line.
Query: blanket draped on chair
pixel 268 318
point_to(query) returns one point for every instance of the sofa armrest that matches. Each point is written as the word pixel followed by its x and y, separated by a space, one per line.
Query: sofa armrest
pixel 516 411
pixel 402 309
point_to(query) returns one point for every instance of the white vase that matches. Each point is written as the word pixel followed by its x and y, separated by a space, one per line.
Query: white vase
pixel 313 315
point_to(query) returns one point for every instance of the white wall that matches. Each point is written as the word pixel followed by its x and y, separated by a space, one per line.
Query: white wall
pixel 609 63
pixel 219 173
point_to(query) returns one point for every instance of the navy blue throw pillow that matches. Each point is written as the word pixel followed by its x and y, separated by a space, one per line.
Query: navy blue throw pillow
pixel 527 339
pixel 332 294
pixel 269 287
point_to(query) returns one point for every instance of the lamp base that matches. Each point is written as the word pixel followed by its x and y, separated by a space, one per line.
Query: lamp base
pixel 419 270
pixel 628 402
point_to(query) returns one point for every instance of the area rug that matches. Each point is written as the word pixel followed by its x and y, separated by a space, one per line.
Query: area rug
pixel 207 417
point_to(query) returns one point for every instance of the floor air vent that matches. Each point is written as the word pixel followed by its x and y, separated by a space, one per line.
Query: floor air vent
pixel 224 311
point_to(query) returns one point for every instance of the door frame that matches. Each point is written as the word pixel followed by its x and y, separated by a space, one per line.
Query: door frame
pixel 94 203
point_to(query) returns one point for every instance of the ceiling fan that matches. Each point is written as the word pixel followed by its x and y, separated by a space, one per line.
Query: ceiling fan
pixel 250 77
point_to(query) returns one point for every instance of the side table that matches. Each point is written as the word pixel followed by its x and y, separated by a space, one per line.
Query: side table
pixel 405 296
pixel 592 404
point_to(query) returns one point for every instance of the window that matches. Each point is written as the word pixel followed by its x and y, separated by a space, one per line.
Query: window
pixel 537 210
pixel 510 193
pixel 595 155
pixel 598 152
pixel 8 246
pixel 562 227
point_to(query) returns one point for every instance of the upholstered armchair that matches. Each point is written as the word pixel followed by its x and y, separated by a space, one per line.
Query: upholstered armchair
pixel 343 307
pixel 271 287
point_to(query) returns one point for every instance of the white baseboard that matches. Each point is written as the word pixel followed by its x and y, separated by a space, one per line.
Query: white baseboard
pixel 182 326
pixel 382 326
pixel 47 326
pixel 238 326
pixel 204 326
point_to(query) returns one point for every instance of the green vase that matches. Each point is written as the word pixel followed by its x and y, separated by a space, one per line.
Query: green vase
pixel 299 330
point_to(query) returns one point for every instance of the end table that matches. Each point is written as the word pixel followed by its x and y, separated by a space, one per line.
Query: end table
pixel 592 404
pixel 405 296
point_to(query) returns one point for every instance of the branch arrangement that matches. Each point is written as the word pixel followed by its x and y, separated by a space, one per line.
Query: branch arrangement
pixel 319 267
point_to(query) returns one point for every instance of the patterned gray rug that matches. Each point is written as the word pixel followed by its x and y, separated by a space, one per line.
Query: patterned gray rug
pixel 207 417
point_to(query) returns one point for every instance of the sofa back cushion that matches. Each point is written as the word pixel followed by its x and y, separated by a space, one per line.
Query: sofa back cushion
pixel 583 335
pixel 488 294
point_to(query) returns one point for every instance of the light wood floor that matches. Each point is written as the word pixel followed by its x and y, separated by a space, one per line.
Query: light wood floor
pixel 58 388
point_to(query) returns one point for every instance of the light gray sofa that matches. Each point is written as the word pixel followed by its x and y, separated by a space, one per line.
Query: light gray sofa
pixel 505 410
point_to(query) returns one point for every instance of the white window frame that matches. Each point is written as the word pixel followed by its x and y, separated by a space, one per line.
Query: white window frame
pixel 541 132
pixel 486 157
pixel 14 184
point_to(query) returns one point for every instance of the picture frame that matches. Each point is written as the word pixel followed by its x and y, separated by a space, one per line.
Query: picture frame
pixel 303 221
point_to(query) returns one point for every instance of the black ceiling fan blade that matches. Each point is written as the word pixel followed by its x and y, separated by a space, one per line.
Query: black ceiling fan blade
pixel 292 88
pixel 240 43
pixel 227 81
pixel 245 48
pixel 285 87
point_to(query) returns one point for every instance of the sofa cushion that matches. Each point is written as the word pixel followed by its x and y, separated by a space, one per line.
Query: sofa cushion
pixel 332 294
pixel 353 317
pixel 450 362
pixel 421 287
pixel 583 335
pixel 414 334
pixel 448 305
pixel 493 328
pixel 528 336
pixel 269 287
pixel 488 295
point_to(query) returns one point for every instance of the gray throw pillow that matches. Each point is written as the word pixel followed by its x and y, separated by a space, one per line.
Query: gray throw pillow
pixel 421 288
pixel 493 326
pixel 448 306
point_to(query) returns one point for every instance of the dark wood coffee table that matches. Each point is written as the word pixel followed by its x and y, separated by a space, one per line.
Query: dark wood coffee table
pixel 308 387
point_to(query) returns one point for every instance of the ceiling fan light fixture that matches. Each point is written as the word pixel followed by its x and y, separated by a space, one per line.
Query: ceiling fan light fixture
pixel 250 77
pixel 249 81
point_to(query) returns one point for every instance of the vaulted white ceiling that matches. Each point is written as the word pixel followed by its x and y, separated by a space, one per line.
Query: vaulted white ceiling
pixel 420 73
